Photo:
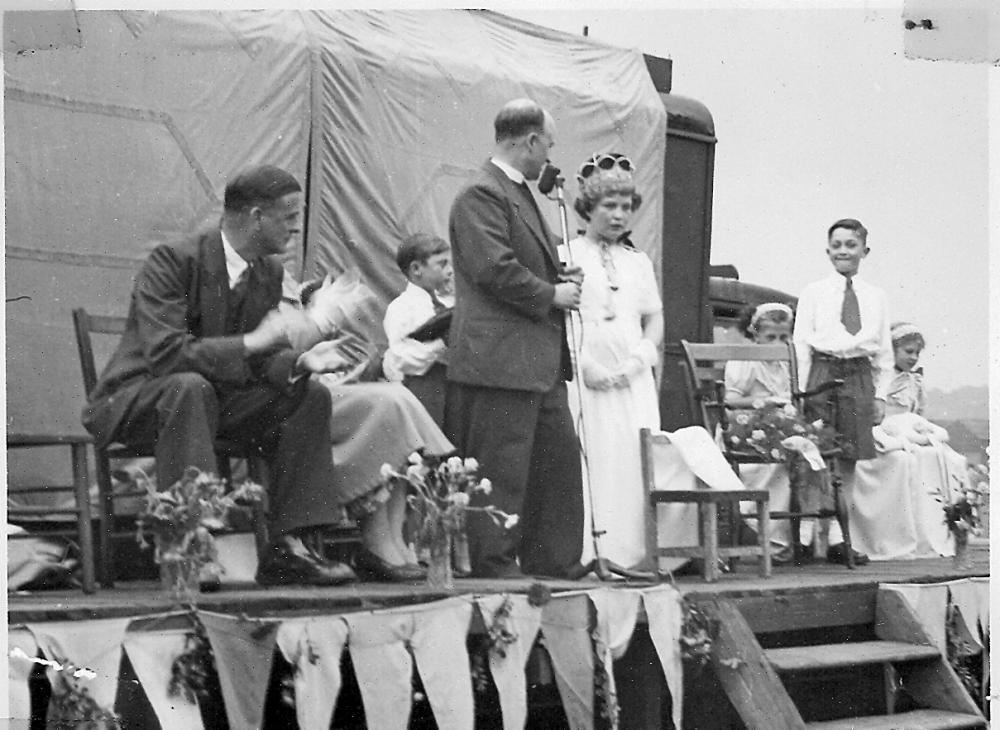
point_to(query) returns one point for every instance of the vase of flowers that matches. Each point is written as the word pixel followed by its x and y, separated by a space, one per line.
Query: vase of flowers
pixel 963 515
pixel 440 492
pixel 179 521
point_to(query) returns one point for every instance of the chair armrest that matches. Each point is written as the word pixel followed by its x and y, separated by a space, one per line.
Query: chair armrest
pixel 821 388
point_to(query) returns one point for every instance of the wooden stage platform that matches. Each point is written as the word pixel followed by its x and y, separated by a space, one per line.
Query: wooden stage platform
pixel 848 639
pixel 138 598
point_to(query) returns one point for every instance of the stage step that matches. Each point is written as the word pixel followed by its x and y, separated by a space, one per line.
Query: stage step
pixel 915 720
pixel 830 656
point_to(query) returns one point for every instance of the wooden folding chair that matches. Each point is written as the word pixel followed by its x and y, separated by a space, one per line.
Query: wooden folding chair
pixel 708 549
pixel 86 325
pixel 83 531
pixel 705 365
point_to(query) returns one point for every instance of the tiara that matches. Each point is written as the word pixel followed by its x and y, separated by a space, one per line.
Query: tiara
pixel 604 171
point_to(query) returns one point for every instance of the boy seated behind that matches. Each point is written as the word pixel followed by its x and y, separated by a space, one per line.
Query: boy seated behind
pixel 425 260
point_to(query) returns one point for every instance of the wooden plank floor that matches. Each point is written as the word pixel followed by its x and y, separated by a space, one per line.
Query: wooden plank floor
pixel 137 599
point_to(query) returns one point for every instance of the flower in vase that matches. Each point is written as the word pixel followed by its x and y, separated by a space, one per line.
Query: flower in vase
pixel 459 499
pixel 471 464
pixel 743 419
pixel 790 410
pixel 415 458
pixel 386 472
pixel 511 522
pixel 757 434
pixel 485 486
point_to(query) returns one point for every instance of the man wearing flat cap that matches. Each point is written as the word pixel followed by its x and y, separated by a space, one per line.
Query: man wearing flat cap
pixel 205 354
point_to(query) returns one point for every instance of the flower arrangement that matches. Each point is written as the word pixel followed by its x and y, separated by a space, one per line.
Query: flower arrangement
pixel 964 513
pixel 770 430
pixel 698 634
pixel 179 520
pixel 440 492
pixel 72 705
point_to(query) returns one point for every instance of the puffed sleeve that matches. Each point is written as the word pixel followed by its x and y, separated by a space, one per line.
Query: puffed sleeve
pixel 739 378
pixel 647 290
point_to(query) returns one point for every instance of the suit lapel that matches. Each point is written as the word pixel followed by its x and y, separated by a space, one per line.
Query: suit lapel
pixel 214 289
pixel 532 218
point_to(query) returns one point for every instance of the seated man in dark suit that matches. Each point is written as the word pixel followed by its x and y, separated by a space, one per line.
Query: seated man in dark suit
pixel 205 355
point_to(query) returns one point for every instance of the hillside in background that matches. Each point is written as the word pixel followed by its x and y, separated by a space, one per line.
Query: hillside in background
pixel 968 403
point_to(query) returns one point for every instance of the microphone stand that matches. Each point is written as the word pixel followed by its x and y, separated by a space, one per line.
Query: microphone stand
pixel 600 566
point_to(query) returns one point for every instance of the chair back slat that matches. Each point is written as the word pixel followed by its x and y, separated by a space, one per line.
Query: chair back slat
pixel 85 325
pixel 705 364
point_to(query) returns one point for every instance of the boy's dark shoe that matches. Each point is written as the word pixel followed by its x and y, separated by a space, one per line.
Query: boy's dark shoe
pixel 837 554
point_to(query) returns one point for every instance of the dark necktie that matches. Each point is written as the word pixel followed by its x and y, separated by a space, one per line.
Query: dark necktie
pixel 237 298
pixel 438 304
pixel 526 193
pixel 850 312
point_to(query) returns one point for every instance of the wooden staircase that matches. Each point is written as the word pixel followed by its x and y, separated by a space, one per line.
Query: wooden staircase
pixel 881 671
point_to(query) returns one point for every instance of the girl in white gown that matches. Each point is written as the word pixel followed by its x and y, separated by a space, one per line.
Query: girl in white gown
pixel 617 341
pixel 897 510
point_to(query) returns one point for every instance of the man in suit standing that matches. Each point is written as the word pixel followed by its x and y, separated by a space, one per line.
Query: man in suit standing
pixel 509 359
pixel 205 355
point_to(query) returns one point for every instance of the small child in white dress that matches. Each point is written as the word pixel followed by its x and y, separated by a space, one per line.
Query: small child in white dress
pixel 905 520
pixel 757 384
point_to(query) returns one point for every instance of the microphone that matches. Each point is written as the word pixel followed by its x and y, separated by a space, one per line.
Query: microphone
pixel 547 180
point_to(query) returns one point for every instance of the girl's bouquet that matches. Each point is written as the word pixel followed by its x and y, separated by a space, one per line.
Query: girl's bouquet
pixel 776 432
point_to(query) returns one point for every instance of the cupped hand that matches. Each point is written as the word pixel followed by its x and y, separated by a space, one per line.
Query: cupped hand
pixel 567 295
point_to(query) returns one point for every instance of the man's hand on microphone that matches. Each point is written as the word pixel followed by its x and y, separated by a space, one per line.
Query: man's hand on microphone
pixel 567 295
pixel 571 273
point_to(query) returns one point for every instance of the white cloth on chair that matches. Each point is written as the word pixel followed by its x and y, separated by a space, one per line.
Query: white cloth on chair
pixel 691 460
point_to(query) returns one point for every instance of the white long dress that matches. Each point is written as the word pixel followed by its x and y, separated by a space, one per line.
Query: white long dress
pixel 608 329
pixel 933 473
pixel 747 379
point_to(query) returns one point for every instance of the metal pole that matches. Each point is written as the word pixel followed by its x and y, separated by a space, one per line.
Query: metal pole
pixel 599 565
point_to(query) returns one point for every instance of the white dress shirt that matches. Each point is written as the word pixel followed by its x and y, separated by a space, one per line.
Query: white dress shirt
pixel 818 327
pixel 235 264
pixel 516 176
pixel 407 356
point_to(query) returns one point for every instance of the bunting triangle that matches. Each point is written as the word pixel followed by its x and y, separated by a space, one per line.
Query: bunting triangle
pixel 314 646
pixel 508 669
pixel 152 654
pixel 21 648
pixel 384 667
pixel 566 628
pixel 244 655
pixel 97 649
pixel 663 614
pixel 929 602
pixel 439 649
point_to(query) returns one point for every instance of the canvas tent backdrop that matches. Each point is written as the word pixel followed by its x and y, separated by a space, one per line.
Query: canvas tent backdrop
pixel 126 140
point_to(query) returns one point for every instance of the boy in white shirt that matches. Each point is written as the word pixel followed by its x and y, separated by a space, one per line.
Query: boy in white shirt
pixel 842 332
pixel 425 260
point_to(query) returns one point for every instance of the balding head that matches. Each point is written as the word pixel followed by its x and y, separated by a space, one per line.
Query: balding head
pixel 518 118
pixel 524 135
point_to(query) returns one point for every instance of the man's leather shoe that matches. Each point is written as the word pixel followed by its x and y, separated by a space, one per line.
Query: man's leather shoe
pixel 282 565
pixel 837 554
pixel 371 566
